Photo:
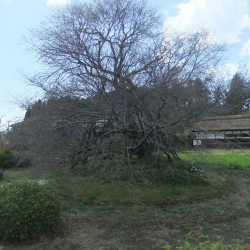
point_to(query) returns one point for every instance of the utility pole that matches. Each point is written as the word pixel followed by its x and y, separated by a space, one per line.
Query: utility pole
pixel 8 129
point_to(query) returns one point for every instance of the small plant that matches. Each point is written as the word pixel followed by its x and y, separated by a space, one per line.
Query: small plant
pixel 27 210
pixel 206 245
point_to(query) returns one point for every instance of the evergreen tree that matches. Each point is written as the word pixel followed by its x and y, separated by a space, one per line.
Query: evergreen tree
pixel 236 99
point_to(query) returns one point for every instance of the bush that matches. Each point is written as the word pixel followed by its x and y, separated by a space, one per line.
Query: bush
pixel 7 159
pixel 27 210
pixel 154 170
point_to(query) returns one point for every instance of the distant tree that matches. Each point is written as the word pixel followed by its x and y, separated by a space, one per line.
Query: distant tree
pixel 237 96
pixel 28 113
pixel 219 101
pixel 198 93
pixel 45 130
pixel 34 108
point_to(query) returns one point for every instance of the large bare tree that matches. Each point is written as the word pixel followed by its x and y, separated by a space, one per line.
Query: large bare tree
pixel 132 83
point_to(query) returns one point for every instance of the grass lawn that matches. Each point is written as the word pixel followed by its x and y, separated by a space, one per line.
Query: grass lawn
pixel 78 188
pixel 237 158
pixel 118 216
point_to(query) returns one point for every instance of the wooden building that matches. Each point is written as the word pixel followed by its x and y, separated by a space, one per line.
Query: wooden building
pixel 223 131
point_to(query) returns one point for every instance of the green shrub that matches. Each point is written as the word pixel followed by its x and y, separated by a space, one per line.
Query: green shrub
pixel 206 245
pixel 7 159
pixel 27 210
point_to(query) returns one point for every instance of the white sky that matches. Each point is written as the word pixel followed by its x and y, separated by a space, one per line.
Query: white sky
pixel 228 20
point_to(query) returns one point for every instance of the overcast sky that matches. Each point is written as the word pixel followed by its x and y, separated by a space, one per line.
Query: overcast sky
pixel 228 20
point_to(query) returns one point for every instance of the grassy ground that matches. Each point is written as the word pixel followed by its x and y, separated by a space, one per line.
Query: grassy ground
pixel 237 158
pixel 112 216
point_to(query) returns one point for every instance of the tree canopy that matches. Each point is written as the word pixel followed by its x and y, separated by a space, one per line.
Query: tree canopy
pixel 129 81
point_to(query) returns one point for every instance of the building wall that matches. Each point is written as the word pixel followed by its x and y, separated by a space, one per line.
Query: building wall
pixel 238 138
